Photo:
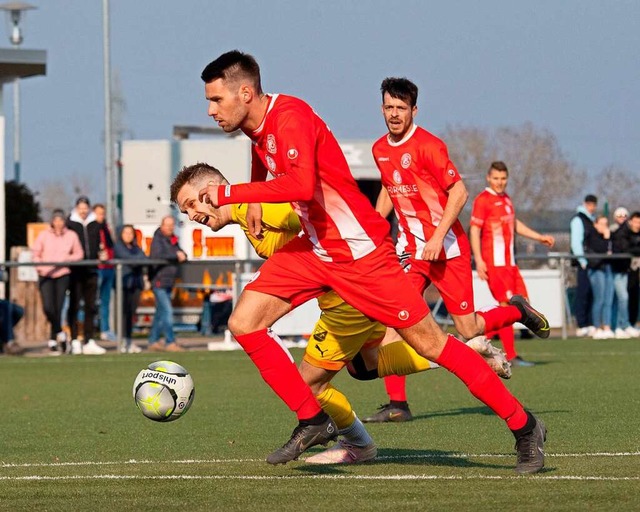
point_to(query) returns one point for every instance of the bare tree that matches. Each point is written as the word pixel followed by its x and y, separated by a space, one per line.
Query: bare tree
pixel 540 176
pixel 62 193
pixel 619 187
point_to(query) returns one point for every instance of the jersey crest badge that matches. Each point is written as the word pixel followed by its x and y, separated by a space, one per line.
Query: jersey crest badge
pixel 271 144
pixel 405 161
pixel 292 154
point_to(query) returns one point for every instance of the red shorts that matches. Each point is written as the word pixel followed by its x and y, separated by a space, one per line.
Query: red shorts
pixel 451 277
pixel 375 284
pixel 505 282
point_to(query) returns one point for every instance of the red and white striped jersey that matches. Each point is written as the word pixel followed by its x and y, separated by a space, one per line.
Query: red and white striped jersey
pixel 297 148
pixel 417 172
pixel 495 215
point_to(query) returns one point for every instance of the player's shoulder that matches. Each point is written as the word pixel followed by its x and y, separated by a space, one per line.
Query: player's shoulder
pixel 483 197
pixel 283 104
pixel 424 137
pixel 381 143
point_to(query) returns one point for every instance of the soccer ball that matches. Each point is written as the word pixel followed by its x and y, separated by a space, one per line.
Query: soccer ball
pixel 163 391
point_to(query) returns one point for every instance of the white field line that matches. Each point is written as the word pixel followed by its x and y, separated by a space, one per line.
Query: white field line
pixel 318 477
pixel 383 457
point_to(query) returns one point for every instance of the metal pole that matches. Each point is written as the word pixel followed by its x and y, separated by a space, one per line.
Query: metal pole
pixel 119 301
pixel 565 305
pixel 108 134
pixel 3 230
pixel 16 129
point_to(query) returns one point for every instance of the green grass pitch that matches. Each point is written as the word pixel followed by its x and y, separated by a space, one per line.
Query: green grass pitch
pixel 71 438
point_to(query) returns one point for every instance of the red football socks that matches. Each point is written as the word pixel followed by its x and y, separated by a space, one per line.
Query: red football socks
pixel 277 368
pixel 483 383
pixel 396 387
pixel 508 340
pixel 499 316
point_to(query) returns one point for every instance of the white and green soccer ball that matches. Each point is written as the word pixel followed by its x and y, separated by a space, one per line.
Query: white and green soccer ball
pixel 163 391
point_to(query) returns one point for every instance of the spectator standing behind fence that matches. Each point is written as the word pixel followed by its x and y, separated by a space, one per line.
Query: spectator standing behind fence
pixel 581 226
pixel 56 244
pixel 620 216
pixel 84 279
pixel 126 248
pixel 620 267
pixel 598 242
pixel 630 230
pixel 164 246
pixel 106 273
pixel 10 315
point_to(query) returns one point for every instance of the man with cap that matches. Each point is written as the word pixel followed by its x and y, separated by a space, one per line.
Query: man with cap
pixel 623 242
pixel 581 226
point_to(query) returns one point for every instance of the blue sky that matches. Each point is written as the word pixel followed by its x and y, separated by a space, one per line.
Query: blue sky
pixel 570 66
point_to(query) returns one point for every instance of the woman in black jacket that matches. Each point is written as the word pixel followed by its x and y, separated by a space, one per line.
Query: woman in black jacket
pixel 601 277
pixel 126 248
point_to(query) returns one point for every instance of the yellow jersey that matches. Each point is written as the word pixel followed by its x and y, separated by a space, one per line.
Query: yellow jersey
pixel 279 225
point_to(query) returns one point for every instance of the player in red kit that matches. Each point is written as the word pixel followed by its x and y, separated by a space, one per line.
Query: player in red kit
pixel 344 246
pixel 424 188
pixel 493 228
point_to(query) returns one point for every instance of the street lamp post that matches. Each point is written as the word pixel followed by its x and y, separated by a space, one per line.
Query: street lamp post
pixel 15 13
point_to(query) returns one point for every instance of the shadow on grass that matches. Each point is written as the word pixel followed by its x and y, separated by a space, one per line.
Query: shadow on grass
pixel 481 410
pixel 410 457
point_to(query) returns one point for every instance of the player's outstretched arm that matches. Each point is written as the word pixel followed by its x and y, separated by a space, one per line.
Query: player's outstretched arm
pixel 524 230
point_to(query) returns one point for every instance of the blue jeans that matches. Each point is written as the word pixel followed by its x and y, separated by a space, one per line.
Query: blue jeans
pixel 107 278
pixel 620 280
pixel 602 287
pixel 163 318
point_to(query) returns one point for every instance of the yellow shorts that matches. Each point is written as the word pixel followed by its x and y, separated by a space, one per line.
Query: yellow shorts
pixel 339 334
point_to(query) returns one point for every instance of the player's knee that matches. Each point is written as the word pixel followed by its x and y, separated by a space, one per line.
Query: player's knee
pixel 358 369
pixel 238 324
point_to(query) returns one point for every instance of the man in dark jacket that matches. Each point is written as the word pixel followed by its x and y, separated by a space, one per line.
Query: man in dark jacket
pixel 84 279
pixel 581 226
pixel 164 246
pixel 627 239
pixel 622 240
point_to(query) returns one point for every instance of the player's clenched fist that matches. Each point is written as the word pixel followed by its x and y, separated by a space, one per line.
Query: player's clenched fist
pixel 209 194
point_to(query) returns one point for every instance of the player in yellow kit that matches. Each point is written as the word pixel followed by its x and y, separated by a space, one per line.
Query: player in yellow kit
pixel 338 336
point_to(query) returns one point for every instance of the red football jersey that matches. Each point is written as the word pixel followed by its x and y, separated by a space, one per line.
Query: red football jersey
pixel 417 172
pixel 495 216
pixel 297 148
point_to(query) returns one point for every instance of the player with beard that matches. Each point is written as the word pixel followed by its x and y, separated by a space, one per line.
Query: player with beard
pixel 345 247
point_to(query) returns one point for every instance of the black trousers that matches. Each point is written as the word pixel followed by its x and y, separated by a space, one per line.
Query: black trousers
pixel 10 315
pixel 83 287
pixel 633 285
pixel 53 291
pixel 583 299
pixel 130 300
